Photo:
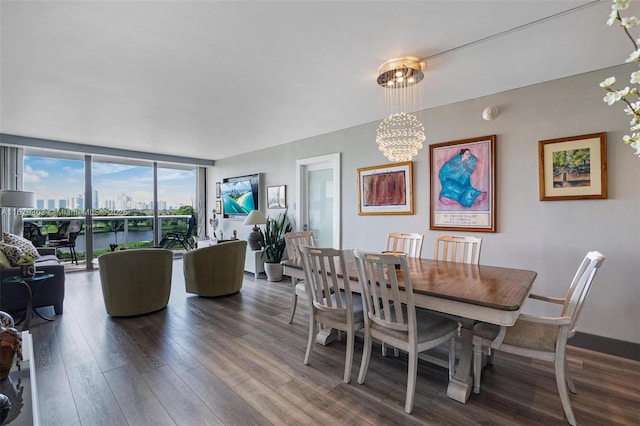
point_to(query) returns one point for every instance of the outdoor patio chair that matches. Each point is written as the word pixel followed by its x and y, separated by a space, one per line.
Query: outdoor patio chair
pixel 185 239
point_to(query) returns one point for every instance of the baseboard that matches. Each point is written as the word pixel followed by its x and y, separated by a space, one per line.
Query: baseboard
pixel 606 345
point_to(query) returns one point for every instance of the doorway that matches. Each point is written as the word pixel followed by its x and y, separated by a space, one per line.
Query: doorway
pixel 318 196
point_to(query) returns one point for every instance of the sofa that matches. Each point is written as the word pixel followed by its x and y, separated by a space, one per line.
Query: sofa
pixel 43 293
pixel 135 282
pixel 216 270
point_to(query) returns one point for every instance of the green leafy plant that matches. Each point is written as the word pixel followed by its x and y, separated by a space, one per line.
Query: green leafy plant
pixel 26 259
pixel 272 240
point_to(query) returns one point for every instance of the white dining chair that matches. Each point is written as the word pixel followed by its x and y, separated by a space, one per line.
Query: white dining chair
pixel 409 243
pixel 398 323
pixel 293 241
pixel 458 248
pixel 542 338
pixel 331 302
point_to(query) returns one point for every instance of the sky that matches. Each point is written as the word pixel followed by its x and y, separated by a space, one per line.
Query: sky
pixel 53 178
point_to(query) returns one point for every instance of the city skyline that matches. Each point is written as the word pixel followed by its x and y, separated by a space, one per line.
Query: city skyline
pixel 62 179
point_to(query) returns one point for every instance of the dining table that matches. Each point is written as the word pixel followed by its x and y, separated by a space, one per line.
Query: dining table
pixel 471 293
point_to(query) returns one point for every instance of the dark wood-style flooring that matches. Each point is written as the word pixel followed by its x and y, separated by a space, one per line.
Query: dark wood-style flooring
pixel 236 361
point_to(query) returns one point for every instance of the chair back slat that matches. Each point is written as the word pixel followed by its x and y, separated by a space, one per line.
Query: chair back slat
pixel 409 243
pixel 294 240
pixel 383 287
pixel 321 278
pixel 454 248
pixel 580 287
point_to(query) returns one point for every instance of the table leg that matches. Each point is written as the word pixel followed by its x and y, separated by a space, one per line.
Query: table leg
pixel 462 382
pixel 28 308
pixel 42 316
pixel 326 336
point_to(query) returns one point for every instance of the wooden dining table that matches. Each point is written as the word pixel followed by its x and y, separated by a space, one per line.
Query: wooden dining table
pixel 472 293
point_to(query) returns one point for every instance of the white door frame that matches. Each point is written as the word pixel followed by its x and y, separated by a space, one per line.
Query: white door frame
pixel 301 165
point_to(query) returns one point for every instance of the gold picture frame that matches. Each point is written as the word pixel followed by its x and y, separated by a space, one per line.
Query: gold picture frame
pixel 463 185
pixel 386 189
pixel 573 168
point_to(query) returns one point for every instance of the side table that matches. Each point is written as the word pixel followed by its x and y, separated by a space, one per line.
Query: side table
pixel 24 283
pixel 253 261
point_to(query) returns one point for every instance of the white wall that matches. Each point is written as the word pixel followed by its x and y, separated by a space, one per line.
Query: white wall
pixel 549 237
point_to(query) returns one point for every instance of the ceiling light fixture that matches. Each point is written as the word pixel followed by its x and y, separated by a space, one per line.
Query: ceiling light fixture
pixel 401 134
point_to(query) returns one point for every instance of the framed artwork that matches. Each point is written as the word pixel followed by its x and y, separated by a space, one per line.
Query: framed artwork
pixel 463 190
pixel 386 189
pixel 218 194
pixel 573 168
pixel 277 197
pixel 218 206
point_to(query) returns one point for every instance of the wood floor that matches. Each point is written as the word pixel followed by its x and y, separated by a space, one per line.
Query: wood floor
pixel 236 361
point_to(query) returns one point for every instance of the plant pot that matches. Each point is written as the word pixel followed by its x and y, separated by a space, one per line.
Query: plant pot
pixel 273 271
pixel 28 270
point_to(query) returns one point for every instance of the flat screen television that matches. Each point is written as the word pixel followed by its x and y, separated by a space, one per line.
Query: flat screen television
pixel 240 195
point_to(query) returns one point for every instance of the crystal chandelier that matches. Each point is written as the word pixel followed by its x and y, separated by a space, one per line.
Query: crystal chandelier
pixel 401 134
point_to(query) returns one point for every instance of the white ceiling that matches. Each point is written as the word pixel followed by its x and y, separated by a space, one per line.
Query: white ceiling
pixel 212 79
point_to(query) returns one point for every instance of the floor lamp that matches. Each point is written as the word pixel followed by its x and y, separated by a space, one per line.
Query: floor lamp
pixel 19 200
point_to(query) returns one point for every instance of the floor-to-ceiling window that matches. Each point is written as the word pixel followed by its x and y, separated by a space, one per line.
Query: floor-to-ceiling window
pixel 122 204
pixel 58 181
pixel 119 197
pixel 176 199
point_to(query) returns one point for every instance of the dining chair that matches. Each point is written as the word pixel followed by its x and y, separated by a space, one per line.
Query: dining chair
pixel 457 248
pixel 33 233
pixel 293 241
pixel 542 337
pixel 409 243
pixel 331 302
pixel 72 230
pixel 396 322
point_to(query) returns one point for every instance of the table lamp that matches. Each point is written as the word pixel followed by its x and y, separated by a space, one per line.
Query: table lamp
pixel 255 218
pixel 16 199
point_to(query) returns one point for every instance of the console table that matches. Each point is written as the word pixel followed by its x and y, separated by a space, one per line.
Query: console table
pixel 21 388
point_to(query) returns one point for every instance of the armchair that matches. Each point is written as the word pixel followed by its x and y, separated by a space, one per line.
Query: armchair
pixel 216 270
pixel 135 282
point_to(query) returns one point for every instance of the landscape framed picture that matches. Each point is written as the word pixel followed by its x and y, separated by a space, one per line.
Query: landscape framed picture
pixel 573 168
pixel 386 189
pixel 277 197
pixel 463 189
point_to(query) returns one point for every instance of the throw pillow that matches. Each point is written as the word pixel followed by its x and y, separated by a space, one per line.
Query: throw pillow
pixel 12 253
pixel 22 243
pixel 4 262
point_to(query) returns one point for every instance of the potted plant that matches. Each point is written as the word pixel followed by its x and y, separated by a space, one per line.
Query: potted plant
pixel 273 244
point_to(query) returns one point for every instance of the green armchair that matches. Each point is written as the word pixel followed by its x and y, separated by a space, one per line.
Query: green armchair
pixel 216 270
pixel 136 282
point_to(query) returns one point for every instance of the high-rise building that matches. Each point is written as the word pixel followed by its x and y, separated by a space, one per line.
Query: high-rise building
pixel 62 203
pixel 40 204
pixel 51 204
pixel 122 202
pixel 95 202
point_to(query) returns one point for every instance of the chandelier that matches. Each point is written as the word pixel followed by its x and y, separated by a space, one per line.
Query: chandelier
pixel 401 134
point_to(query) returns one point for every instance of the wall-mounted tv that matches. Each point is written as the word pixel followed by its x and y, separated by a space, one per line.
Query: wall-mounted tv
pixel 240 195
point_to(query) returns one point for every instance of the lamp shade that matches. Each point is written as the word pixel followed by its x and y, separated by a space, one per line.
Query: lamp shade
pixel 255 218
pixel 17 199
